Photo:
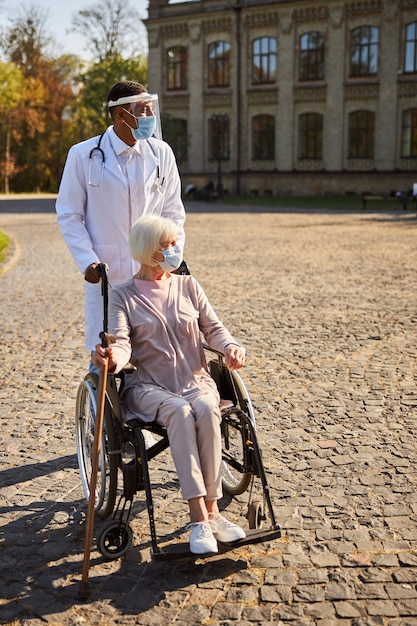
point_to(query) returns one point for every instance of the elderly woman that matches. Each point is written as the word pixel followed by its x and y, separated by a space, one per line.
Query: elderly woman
pixel 157 318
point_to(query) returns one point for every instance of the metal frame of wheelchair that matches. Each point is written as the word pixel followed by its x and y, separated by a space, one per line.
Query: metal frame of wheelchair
pixel 123 453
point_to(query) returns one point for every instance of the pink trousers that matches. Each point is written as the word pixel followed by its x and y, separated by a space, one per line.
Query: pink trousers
pixel 193 427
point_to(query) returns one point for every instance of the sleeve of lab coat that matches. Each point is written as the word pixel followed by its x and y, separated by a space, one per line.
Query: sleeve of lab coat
pixel 173 205
pixel 70 208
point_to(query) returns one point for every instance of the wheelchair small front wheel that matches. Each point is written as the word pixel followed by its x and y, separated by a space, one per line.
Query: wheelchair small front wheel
pixel 255 514
pixel 115 540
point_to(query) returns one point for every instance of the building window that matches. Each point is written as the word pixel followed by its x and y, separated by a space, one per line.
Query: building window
pixel 219 64
pixel 410 64
pixel 264 60
pixel 219 137
pixel 263 137
pixel 364 51
pixel 409 133
pixel 175 133
pixel 311 56
pixel 361 134
pixel 310 144
pixel 177 68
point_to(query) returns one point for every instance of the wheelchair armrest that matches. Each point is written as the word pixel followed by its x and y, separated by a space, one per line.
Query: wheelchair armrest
pixel 206 347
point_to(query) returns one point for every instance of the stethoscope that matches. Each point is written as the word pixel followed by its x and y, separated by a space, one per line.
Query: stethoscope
pixel 90 160
pixel 100 153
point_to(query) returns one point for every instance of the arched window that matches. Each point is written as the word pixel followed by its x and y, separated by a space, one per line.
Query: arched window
pixel 263 137
pixel 264 60
pixel 177 67
pixel 219 64
pixel 364 51
pixel 311 63
pixel 310 136
pixel 409 133
pixel 410 61
pixel 361 134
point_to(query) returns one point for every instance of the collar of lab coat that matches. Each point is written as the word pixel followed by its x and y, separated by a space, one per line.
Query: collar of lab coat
pixel 151 162
pixel 120 146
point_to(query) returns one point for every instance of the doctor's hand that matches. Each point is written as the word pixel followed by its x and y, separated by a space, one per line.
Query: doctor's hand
pixel 92 274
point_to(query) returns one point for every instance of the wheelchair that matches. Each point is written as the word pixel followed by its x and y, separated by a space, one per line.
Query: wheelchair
pixel 125 460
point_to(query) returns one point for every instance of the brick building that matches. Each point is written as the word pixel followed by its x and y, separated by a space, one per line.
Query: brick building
pixel 288 96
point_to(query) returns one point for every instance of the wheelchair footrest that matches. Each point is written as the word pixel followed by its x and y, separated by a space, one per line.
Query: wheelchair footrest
pixel 252 536
pixel 181 550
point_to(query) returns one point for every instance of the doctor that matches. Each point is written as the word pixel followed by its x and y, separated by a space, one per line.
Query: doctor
pixel 109 181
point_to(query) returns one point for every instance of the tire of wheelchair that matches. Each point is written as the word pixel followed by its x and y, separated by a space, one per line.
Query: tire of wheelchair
pixel 86 407
pixel 236 482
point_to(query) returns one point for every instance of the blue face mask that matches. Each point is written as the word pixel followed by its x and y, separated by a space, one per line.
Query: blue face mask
pixel 146 128
pixel 172 259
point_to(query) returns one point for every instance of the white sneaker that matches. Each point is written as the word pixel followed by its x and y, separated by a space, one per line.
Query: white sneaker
pixel 201 538
pixel 149 438
pixel 224 530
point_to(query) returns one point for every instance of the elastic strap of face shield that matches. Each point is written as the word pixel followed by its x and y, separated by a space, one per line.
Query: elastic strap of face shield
pixel 140 97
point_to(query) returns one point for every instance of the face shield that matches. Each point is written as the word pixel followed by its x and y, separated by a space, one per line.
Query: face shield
pixel 141 105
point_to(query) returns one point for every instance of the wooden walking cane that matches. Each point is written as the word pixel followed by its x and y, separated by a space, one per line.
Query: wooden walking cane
pixel 106 340
pixel 98 432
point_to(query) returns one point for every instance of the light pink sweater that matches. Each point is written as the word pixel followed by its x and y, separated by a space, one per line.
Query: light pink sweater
pixel 167 351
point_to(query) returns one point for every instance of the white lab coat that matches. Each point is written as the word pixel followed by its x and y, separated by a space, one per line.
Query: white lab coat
pixel 95 221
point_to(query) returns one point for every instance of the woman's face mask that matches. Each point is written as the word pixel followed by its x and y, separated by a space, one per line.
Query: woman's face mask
pixel 172 259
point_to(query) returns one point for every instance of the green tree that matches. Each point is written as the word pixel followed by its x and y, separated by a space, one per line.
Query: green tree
pixel 96 83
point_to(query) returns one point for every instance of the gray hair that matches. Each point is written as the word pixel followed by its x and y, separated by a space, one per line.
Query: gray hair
pixel 146 235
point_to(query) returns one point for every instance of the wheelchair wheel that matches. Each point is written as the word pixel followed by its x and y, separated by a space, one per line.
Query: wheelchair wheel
pixel 255 514
pixel 115 540
pixel 85 412
pixel 235 480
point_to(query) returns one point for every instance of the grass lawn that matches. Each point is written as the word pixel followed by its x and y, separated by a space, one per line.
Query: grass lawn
pixel 348 202
pixel 4 244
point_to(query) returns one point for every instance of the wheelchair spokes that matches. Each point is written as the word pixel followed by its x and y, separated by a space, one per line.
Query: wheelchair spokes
pixel 236 466
pixel 106 485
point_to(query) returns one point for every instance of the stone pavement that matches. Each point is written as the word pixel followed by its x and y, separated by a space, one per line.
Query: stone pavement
pixel 326 305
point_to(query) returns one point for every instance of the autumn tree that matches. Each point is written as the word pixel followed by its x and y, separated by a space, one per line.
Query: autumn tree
pixel 45 95
pixel 62 99
pixel 11 79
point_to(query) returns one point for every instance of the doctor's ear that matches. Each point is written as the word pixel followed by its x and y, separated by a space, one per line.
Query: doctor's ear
pixel 120 113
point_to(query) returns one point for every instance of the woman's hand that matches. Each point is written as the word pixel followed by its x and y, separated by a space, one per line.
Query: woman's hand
pixel 98 357
pixel 234 357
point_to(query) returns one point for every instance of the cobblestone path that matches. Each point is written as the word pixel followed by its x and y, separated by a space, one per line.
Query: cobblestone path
pixel 326 305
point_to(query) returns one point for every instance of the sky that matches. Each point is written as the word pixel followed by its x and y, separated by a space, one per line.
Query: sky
pixel 60 13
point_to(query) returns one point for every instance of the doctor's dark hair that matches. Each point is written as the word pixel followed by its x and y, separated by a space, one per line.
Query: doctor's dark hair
pixel 122 89
pixel 147 233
